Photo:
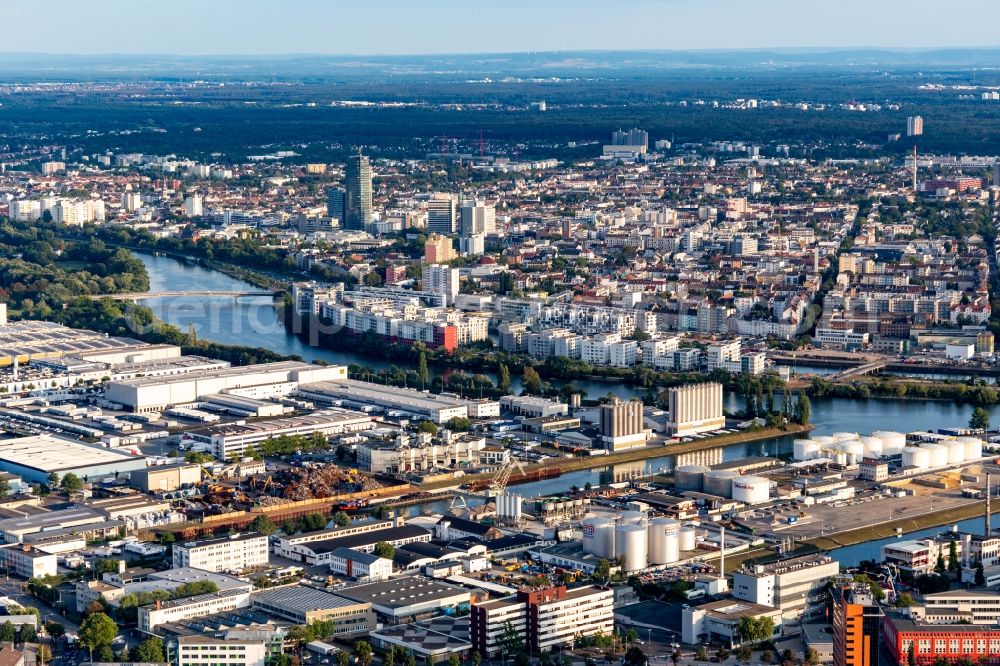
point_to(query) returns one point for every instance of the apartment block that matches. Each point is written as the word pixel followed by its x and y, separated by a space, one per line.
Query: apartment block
pixel 232 554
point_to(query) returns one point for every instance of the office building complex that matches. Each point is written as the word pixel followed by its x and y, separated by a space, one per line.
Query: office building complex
pixel 695 408
pixel 546 618
pixel 477 218
pixel 856 622
pixel 358 193
pixel 797 587
pixel 232 554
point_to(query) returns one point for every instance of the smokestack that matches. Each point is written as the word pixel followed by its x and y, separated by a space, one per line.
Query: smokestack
pixel 988 491
pixel 722 552
pixel 914 169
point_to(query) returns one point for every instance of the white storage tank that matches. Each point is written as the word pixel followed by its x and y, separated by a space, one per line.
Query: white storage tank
pixel 805 449
pixel 720 482
pixel 632 518
pixel 689 477
pixel 939 453
pixel 824 440
pixel 956 451
pixel 688 539
pixel 844 436
pixel 664 541
pixel 854 449
pixel 892 442
pixel 599 537
pixel 873 446
pixel 751 489
pixel 631 544
pixel 973 448
pixel 914 456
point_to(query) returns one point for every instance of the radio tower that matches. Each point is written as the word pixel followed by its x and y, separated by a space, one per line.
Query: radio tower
pixel 914 169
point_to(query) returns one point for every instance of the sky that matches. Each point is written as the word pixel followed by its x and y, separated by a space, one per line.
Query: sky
pixel 364 27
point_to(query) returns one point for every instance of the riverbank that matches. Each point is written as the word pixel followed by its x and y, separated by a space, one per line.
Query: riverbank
pixel 567 465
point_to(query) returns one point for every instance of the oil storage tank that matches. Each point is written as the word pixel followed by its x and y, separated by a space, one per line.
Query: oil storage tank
pixel 632 518
pixel 914 456
pixel 719 482
pixel 599 537
pixel 805 449
pixel 892 442
pixel 688 539
pixel 664 541
pixel 689 477
pixel 956 451
pixel 939 454
pixel 631 544
pixel 973 448
pixel 751 489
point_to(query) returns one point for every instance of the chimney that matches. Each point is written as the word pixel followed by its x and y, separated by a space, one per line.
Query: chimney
pixel 722 552
pixel 988 491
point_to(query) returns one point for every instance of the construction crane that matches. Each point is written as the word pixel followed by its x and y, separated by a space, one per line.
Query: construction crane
pixel 498 484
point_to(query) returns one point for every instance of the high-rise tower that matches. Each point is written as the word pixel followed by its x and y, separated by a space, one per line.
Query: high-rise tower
pixel 358 193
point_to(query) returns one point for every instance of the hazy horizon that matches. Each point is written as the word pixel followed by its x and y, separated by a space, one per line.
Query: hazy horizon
pixel 251 28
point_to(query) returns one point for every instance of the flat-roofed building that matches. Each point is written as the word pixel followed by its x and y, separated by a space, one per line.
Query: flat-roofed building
pixel 260 381
pixel 35 458
pixel 439 408
pixel 28 562
pixel 408 598
pixel 796 587
pixel 321 552
pixel 165 478
pixel 305 605
pixel 209 651
pixel 720 620
pixel 183 609
pixel 232 439
pixel 233 554
pixel 548 618
pixel 360 566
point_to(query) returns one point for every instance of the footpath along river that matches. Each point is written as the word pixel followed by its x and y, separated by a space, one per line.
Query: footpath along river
pixel 253 322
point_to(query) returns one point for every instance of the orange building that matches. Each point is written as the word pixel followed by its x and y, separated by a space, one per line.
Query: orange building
pixel 438 249
pixel 857 619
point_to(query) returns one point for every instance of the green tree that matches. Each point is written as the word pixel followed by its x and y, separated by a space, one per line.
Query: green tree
pixel 150 651
pixel 428 427
pixel 602 571
pixel 811 657
pixel 341 519
pixel 4 487
pixel 631 635
pixel 980 419
pixel 744 654
pixel 940 566
pixel 423 374
pixel 362 651
pixel 905 600
pixel 803 409
pixel 980 574
pixel 264 525
pixel 8 634
pixel 106 565
pixel 384 550
pixel 477 658
pixel 532 381
pixel 503 378
pixel 911 654
pixel 26 634
pixel 97 631
pixel 71 482
pixel 454 660
pixel 343 659
pixel 635 657
pixel 952 556
pixel 511 640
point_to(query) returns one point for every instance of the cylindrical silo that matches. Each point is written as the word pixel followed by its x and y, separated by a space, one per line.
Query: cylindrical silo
pixel 599 537
pixel 844 436
pixel 689 477
pixel 805 449
pixel 751 489
pixel 939 453
pixel 854 449
pixel 631 544
pixel 973 448
pixel 873 446
pixel 632 518
pixel 892 442
pixel 823 440
pixel 914 456
pixel 663 541
pixel 720 482
pixel 688 539
pixel 956 451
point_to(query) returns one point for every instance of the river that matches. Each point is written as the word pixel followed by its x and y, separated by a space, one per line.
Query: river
pixel 254 322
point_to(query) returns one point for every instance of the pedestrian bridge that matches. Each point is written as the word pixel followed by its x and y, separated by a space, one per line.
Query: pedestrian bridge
pixel 142 295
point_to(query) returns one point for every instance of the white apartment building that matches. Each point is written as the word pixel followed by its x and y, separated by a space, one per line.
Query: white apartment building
pixel 193 206
pixel 919 556
pixel 366 567
pixel 441 279
pixel 955 606
pixel 28 562
pixel 797 587
pixel 233 554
